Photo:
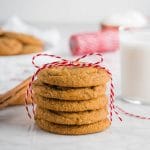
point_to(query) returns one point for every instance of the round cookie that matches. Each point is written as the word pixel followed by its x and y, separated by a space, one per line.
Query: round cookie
pixel 71 106
pixel 68 93
pixel 27 49
pixel 74 76
pixel 73 129
pixel 24 38
pixel 74 118
pixel 9 46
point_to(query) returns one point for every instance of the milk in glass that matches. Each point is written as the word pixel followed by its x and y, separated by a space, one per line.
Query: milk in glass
pixel 135 65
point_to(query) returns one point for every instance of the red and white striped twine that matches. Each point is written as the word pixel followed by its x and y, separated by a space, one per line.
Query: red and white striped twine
pixel 76 62
pixel 131 114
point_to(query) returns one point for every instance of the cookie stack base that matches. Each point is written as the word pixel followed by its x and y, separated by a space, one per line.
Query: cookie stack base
pixel 73 129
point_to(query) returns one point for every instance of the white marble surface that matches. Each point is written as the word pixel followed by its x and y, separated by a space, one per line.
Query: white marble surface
pixel 18 132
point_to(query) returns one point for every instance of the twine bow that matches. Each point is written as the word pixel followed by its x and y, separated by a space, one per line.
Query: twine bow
pixel 77 62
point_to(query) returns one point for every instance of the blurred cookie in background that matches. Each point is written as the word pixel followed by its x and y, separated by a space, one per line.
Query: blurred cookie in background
pixel 27 49
pixel 1 32
pixel 24 38
pixel 9 46
pixel 15 43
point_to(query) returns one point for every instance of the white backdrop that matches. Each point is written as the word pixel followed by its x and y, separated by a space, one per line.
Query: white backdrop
pixel 64 11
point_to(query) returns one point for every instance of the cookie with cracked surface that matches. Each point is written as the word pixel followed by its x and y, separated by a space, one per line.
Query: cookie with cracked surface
pixel 74 76
pixel 71 118
pixel 71 106
pixel 9 46
pixel 68 93
pixel 73 129
pixel 24 38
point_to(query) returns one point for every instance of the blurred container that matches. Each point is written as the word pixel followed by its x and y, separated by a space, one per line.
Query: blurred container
pixel 131 19
pixel 135 65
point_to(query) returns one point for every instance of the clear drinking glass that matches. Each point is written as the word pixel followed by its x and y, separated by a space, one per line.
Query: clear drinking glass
pixel 135 65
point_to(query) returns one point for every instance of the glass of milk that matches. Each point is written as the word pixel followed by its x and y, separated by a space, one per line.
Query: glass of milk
pixel 135 65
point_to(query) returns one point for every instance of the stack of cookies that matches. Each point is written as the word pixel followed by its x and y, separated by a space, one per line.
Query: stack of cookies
pixel 71 100
pixel 13 43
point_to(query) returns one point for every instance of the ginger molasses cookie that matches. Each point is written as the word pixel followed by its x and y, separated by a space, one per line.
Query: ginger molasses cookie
pixel 27 49
pixel 24 38
pixel 73 129
pixel 74 76
pixel 68 93
pixel 9 46
pixel 71 106
pixel 74 118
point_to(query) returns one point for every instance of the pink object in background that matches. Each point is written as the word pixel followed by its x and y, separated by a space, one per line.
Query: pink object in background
pixel 100 41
